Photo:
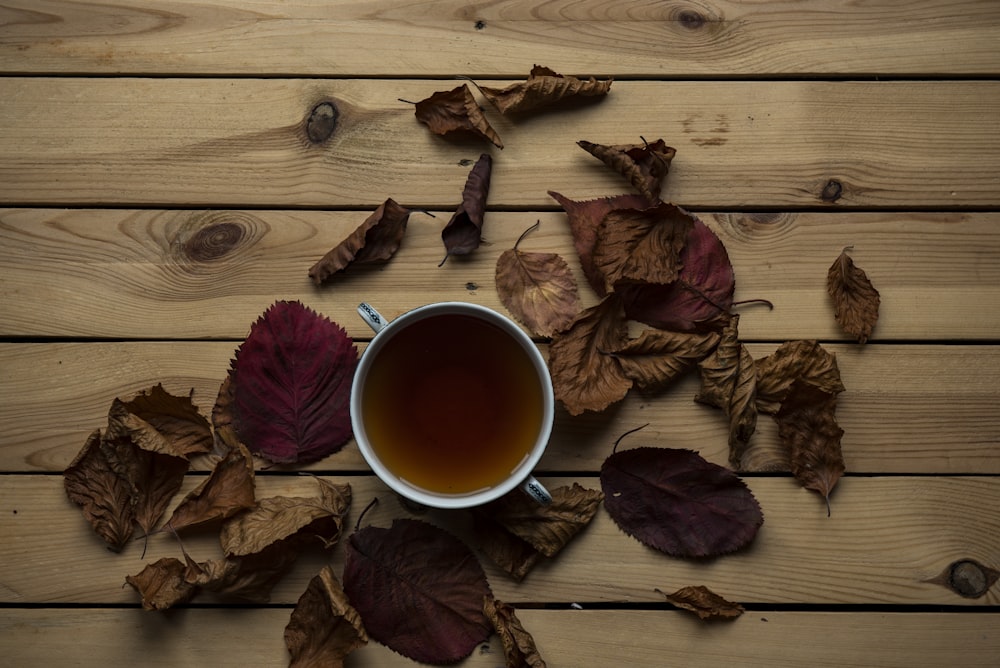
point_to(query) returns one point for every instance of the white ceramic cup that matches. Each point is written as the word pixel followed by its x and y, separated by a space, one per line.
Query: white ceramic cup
pixel 520 476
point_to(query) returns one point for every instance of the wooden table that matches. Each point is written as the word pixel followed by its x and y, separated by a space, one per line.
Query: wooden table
pixel 160 192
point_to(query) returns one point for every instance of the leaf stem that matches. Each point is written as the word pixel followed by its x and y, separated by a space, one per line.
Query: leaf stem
pixel 630 431
pixel 371 504
pixel 526 232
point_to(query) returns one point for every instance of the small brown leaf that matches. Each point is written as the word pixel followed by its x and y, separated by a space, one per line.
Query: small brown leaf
pixel 512 554
pixel 463 232
pixel 162 584
pixel 324 627
pixel 704 602
pixel 519 648
pixel 584 378
pixel 176 419
pixel 543 87
pixel 375 241
pixel 538 289
pixel 644 165
pixel 249 578
pixel 228 490
pixel 103 495
pixel 795 360
pixel 641 245
pixel 457 111
pixel 658 357
pixel 810 434
pixel 855 299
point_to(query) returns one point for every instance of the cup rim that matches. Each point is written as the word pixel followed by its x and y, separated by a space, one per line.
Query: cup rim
pixel 469 499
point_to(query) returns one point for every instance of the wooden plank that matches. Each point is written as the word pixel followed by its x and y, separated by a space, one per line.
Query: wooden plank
pixel 209 274
pixel 99 637
pixel 239 142
pixel 907 409
pixel 717 38
pixel 885 541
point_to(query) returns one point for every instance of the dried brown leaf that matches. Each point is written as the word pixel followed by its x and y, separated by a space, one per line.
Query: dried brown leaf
pixel 228 490
pixel 644 165
pixel 855 299
pixel 795 360
pixel 375 241
pixel 542 88
pixel 641 245
pixel 456 111
pixel 658 357
pixel 463 232
pixel 324 627
pixel 158 414
pixel 103 495
pixel 249 578
pixel 162 584
pixel 704 602
pixel 512 554
pixel 519 648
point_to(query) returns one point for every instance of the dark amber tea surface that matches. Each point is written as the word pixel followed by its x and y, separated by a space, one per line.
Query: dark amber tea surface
pixel 452 404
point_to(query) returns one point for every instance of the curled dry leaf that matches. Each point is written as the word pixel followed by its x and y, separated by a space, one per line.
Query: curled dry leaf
pixel 678 503
pixel 538 289
pixel 104 497
pixel 658 357
pixel 542 88
pixel 584 377
pixel 513 555
pixel 644 165
pixel 641 245
pixel 810 434
pixel 157 414
pixel 248 579
pixel 463 232
pixel 291 385
pixel 585 218
pixel 281 518
pixel 855 299
pixel 729 382
pixel 519 648
pixel 803 360
pixel 456 111
pixel 704 602
pixel 229 489
pixel 375 241
pixel 162 584
pixel 418 589
pixel 324 627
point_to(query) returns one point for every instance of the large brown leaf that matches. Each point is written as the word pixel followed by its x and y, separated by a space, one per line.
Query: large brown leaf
pixel 795 360
pixel 104 496
pixel 855 299
pixel 542 88
pixel 658 357
pixel 324 627
pixel 519 648
pixel 456 111
pixel 418 589
pixel 705 603
pixel 538 289
pixel 678 503
pixel 229 489
pixel 584 376
pixel 810 434
pixel 644 165
pixel 375 241
pixel 162 584
pixel 463 233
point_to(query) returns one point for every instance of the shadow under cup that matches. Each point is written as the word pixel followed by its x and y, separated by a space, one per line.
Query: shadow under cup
pixel 452 405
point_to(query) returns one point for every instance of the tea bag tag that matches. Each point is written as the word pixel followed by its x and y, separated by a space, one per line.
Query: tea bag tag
pixel 372 317
pixel 536 491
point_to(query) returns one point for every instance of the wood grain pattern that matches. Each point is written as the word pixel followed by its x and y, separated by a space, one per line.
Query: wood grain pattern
pixel 446 37
pixel 239 142
pixel 209 274
pixel 564 638
pixel 885 541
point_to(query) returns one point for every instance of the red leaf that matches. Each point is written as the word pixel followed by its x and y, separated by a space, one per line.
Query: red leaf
pixel 677 502
pixel 418 589
pixel 291 384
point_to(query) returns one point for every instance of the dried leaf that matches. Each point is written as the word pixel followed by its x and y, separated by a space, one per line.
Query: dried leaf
pixel 418 589
pixel 585 219
pixel 678 503
pixel 519 648
pixel 701 296
pixel 228 490
pixel 104 497
pixel 456 111
pixel 175 419
pixel 324 627
pixel 644 165
pixel 279 518
pixel 538 289
pixel 162 584
pixel 583 376
pixel 641 245
pixel 248 579
pixel 705 603
pixel 512 554
pixel 291 384
pixel 543 87
pixel 729 382
pixel 375 241
pixel 658 357
pixel 463 232
pixel 810 434
pixel 795 360
pixel 855 299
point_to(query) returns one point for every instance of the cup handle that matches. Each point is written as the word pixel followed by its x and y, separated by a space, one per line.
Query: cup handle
pixel 372 317
pixel 536 491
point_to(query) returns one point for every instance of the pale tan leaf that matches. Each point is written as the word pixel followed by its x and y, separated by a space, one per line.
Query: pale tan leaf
pixel 704 602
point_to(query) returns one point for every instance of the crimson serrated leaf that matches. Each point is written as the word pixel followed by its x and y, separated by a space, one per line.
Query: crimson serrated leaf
pixel 678 503
pixel 291 385
pixel 418 589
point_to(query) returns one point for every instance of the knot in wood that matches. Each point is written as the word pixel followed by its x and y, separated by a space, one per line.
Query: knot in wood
pixel 214 241
pixel 691 19
pixel 322 122
pixel 832 191
pixel 970 579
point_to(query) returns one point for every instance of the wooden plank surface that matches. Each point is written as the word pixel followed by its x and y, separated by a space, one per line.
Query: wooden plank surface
pixel 432 38
pixel 773 639
pixel 241 142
